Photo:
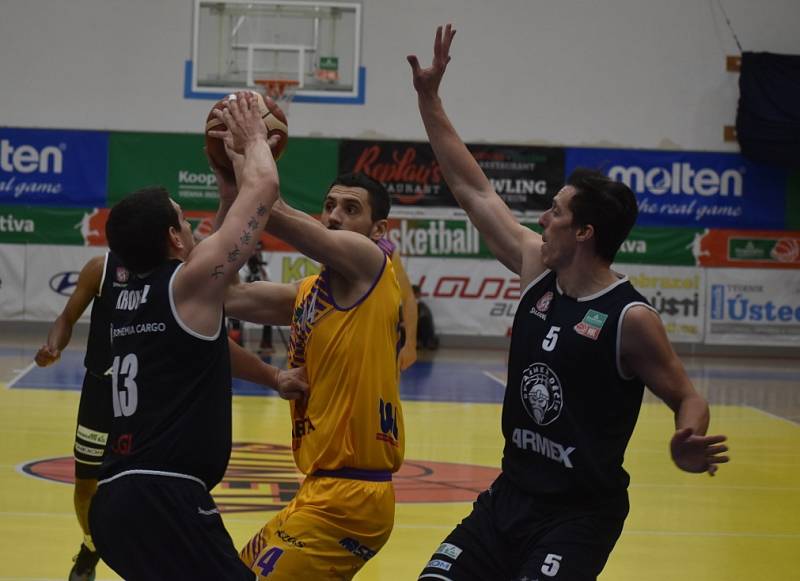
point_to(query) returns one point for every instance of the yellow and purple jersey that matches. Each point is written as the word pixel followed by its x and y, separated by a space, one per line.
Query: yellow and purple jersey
pixel 353 418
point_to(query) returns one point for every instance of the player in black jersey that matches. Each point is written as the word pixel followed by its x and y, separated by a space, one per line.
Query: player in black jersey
pixel 170 438
pixel 583 345
pixel 96 282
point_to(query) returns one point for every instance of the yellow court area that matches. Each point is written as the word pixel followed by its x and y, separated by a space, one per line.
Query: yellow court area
pixel 742 524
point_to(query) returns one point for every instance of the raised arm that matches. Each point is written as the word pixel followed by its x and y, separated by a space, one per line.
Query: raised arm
pixel 517 247
pixel 646 353
pixel 201 285
pixel 352 255
pixel 89 280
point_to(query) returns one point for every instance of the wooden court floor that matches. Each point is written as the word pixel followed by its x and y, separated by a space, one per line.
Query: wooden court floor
pixel 742 524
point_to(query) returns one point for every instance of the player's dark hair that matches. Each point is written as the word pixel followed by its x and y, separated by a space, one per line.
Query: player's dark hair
pixel 138 227
pixel 379 199
pixel 609 206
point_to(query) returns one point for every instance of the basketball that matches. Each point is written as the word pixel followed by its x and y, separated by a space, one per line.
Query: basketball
pixel 274 119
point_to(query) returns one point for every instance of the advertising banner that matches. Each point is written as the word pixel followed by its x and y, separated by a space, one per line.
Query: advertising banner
pixel 307 169
pixel 172 160
pixel 467 296
pixel 12 277
pixel 525 177
pixel 668 246
pixel 753 307
pixel 750 249
pixel 677 293
pixel 460 239
pixel 53 167
pixel 50 278
pixel 42 225
pixel 177 162
pixel 289 267
pixel 709 190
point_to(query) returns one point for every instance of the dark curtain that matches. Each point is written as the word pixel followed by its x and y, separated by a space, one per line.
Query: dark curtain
pixel 768 116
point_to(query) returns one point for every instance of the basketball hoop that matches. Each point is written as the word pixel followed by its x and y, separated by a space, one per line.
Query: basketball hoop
pixel 282 91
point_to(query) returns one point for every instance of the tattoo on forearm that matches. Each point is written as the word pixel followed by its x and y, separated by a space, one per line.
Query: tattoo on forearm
pixel 252 224
pixel 246 237
pixel 234 254
pixel 218 271
pixel 262 209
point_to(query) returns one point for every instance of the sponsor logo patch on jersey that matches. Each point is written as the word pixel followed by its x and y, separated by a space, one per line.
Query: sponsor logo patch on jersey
pixel 359 550
pixel 448 550
pixel 541 393
pixel 591 324
pixel 439 564
pixel 389 421
pixel 543 305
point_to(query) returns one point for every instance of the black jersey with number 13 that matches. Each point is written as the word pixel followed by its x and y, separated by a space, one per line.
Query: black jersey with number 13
pixel 171 386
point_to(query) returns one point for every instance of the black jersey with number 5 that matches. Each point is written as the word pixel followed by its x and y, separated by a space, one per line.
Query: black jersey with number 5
pixel 568 412
pixel 171 386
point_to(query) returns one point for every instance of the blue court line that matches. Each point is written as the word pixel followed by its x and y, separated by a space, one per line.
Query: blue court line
pixel 442 381
pixel 425 381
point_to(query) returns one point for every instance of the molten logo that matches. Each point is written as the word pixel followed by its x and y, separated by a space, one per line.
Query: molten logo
pixel 27 159
pixel 680 179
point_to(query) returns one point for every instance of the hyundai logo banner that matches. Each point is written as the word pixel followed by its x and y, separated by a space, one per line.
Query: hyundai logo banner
pixel 53 167
pixel 64 283
pixel 709 190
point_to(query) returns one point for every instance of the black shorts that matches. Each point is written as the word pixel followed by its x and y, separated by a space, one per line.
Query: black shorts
pixel 512 535
pixel 94 422
pixel 150 528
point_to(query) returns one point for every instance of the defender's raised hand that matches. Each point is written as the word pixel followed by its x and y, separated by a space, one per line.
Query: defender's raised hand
pixel 426 81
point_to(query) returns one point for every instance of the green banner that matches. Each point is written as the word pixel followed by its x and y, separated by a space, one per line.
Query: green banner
pixel 307 169
pixel 750 248
pixel 667 246
pixel 177 162
pixel 41 225
pixel 460 239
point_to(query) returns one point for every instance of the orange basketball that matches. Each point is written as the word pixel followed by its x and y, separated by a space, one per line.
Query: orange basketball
pixel 274 119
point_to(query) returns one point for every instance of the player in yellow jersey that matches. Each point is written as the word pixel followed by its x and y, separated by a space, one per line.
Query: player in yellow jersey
pixel 348 435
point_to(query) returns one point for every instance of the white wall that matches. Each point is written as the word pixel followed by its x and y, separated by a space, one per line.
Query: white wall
pixel 619 73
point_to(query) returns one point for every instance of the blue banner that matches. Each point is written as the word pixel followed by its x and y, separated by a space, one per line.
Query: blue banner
pixel 53 167
pixel 677 188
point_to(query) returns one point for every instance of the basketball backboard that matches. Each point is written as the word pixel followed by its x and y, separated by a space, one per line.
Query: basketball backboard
pixel 238 43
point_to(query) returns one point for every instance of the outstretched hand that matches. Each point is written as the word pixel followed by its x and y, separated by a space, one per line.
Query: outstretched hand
pixel 697 453
pixel 426 81
pixel 292 383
